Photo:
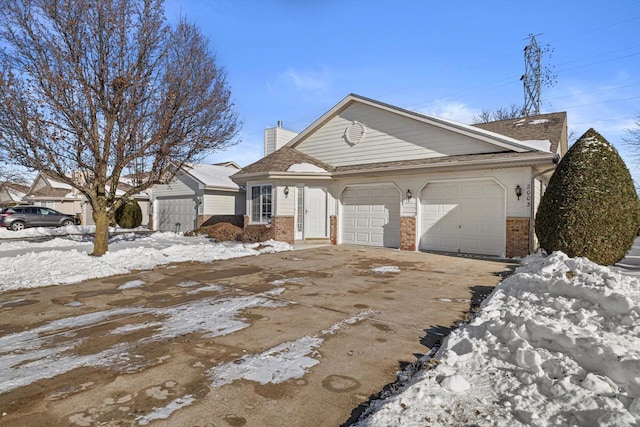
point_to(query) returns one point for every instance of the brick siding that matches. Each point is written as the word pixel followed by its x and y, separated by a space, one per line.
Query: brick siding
pixel 408 233
pixel 284 230
pixel 333 229
pixel 517 237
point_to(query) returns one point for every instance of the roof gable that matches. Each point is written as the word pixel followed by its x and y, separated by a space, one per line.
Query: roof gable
pixel 389 133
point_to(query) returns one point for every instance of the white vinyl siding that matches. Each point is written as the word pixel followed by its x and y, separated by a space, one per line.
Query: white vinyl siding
pixel 223 203
pixel 389 137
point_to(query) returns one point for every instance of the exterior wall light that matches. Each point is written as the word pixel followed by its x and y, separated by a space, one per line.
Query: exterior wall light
pixel 409 195
pixel 286 191
pixel 518 191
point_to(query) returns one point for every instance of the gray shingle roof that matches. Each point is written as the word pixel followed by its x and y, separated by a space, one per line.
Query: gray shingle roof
pixel 543 126
pixel 550 127
pixel 281 160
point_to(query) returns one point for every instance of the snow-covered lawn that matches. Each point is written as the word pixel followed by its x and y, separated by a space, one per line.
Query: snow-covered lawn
pixel 556 344
pixel 65 259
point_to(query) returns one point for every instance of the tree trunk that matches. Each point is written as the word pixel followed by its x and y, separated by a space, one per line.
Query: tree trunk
pixel 101 240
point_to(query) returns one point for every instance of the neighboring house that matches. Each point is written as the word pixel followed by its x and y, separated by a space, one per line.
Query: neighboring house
pixel 54 194
pixel 197 194
pixel 370 173
pixel 49 192
pixel 11 193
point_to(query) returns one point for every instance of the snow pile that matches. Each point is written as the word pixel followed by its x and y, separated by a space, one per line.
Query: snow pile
pixel 557 343
pixel 386 269
pixel 70 265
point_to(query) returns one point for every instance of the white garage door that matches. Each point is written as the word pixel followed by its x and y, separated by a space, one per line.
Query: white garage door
pixel 463 216
pixel 176 214
pixel 371 216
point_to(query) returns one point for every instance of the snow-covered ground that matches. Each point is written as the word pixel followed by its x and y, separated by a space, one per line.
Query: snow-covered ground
pixel 557 343
pixel 65 259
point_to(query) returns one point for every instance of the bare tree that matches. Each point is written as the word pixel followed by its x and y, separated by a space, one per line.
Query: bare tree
pixel 94 89
pixel 501 113
pixel 633 137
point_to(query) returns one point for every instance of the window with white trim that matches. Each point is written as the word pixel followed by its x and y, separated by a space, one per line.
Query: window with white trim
pixel 261 204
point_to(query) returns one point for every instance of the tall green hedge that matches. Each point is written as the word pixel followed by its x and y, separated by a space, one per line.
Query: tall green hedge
pixel 590 208
pixel 129 215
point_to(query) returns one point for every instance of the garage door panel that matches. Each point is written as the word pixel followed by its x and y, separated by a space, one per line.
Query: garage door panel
pixel 377 222
pixel 371 216
pixel 176 214
pixel 363 222
pixel 463 216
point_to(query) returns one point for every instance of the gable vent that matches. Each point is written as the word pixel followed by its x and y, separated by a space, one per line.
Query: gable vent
pixel 355 133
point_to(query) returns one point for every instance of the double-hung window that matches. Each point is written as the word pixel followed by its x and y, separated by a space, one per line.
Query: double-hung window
pixel 261 204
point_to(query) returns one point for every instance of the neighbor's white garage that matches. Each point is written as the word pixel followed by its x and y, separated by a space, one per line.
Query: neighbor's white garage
pixel 176 214
pixel 467 216
pixel 371 216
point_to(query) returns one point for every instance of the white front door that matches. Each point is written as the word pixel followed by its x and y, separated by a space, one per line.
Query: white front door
pixel 315 212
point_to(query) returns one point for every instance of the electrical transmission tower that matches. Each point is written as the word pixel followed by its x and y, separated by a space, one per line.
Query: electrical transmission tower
pixel 532 77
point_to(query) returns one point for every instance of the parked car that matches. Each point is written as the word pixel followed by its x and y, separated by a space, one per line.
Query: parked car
pixel 20 217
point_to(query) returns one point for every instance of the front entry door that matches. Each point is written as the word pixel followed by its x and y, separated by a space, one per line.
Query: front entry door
pixel 315 212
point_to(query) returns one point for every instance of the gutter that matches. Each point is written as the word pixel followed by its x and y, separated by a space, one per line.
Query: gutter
pixel 453 166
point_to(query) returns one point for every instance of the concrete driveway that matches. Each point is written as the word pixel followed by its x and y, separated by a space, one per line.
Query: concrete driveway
pixel 296 338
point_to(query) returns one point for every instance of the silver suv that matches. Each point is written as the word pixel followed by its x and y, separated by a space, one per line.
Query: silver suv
pixel 20 217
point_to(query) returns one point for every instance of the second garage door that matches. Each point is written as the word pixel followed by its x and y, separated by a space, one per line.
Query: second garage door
pixel 176 214
pixel 463 216
pixel 371 216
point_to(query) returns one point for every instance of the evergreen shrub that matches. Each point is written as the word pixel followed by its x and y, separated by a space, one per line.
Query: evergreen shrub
pixel 590 208
pixel 129 215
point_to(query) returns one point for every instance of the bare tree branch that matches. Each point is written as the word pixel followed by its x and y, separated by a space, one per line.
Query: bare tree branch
pixel 101 88
pixel 513 111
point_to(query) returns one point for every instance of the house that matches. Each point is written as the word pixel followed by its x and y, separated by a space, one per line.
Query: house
pixel 199 194
pixel 58 195
pixel 12 193
pixel 54 194
pixel 370 173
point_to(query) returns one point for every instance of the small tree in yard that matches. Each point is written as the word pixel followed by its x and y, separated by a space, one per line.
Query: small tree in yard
pixel 590 208
pixel 91 90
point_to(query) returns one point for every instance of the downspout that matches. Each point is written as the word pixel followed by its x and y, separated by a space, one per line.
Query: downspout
pixel 556 160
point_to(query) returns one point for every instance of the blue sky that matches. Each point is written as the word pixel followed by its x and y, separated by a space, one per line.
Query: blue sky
pixel 294 60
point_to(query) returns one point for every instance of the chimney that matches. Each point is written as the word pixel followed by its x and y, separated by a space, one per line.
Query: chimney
pixel 280 124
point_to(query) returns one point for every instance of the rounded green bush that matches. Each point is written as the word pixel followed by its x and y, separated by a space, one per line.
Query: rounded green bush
pixel 590 208
pixel 129 215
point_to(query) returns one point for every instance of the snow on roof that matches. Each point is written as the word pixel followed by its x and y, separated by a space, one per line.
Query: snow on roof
pixel 538 121
pixel 57 184
pixel 540 145
pixel 15 194
pixel 305 167
pixel 213 175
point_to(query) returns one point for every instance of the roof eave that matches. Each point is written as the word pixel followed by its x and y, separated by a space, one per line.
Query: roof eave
pixel 253 176
pixel 220 188
pixel 456 166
